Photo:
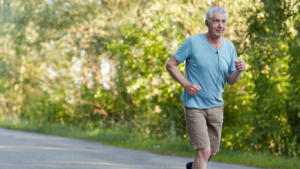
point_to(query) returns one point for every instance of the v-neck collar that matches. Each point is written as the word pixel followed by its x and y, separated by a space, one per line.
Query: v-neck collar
pixel 211 45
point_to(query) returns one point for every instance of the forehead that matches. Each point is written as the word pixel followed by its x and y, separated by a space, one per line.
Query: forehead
pixel 219 16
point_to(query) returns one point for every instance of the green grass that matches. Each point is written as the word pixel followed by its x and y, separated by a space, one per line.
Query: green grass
pixel 260 159
pixel 175 146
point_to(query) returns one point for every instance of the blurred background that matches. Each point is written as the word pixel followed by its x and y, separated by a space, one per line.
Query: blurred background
pixel 101 64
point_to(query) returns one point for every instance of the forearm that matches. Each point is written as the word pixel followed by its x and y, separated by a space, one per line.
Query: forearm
pixel 176 74
pixel 234 77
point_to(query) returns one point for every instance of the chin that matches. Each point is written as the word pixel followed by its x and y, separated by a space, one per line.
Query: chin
pixel 218 33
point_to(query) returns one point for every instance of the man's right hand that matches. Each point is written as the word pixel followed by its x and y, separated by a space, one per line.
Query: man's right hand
pixel 171 66
pixel 192 89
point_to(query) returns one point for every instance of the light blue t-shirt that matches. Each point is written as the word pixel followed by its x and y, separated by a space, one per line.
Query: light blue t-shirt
pixel 207 69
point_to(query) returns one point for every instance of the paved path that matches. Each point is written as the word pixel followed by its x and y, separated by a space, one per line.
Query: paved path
pixel 25 150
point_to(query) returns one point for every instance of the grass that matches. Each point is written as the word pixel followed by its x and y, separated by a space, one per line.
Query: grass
pixel 260 159
pixel 174 146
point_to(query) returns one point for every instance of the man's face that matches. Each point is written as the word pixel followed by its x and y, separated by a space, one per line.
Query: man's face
pixel 217 24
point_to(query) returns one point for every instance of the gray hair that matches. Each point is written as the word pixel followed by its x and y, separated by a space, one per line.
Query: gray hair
pixel 215 9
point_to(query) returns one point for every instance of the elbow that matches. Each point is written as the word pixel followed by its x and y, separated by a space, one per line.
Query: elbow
pixel 230 83
pixel 168 66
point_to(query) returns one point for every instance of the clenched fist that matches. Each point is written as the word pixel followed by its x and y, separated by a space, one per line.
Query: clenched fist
pixel 193 89
pixel 240 65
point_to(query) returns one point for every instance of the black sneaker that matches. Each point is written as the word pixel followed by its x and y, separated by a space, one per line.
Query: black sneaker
pixel 189 165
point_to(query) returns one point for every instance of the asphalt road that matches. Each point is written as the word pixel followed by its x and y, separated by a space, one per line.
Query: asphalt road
pixel 25 150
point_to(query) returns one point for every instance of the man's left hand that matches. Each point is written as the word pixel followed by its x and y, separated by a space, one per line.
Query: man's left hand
pixel 240 65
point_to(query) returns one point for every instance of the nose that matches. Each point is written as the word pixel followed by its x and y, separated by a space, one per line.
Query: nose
pixel 220 24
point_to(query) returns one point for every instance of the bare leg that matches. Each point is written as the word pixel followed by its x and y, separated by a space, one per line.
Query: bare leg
pixel 201 158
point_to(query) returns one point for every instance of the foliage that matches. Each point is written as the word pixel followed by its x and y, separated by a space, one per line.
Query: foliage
pixel 102 63
pixel 270 32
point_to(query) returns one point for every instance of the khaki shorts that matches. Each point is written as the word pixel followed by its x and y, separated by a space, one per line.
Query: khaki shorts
pixel 204 127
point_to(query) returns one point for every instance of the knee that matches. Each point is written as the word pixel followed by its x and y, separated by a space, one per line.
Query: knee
pixel 204 153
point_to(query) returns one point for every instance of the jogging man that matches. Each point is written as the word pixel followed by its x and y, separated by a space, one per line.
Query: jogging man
pixel 211 61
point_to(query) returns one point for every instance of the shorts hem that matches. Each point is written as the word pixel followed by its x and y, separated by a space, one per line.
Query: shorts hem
pixel 214 150
pixel 196 147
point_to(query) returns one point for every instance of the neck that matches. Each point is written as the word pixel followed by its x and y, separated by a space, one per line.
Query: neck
pixel 215 42
pixel 214 39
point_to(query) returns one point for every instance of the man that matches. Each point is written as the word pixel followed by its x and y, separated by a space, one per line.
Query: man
pixel 211 61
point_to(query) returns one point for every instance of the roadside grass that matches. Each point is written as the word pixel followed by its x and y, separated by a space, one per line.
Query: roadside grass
pixel 120 137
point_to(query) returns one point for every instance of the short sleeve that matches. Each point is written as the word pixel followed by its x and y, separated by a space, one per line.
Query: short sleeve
pixel 184 51
pixel 233 58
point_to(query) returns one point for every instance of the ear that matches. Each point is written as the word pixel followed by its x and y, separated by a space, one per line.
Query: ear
pixel 206 23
